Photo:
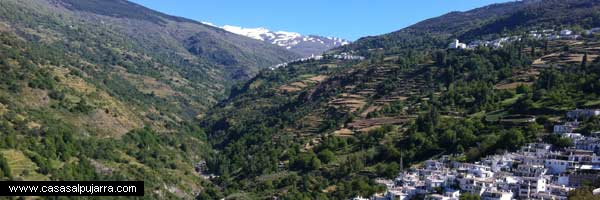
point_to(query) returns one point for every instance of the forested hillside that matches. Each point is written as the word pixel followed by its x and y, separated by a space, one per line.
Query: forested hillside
pixel 327 128
pixel 182 56
pixel 109 90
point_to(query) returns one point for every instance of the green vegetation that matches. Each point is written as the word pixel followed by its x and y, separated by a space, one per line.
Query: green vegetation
pixel 472 103
pixel 83 101
pixel 585 192
pixel 469 196
pixel 4 168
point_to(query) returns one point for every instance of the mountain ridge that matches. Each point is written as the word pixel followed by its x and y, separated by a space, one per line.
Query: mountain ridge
pixel 495 19
pixel 305 45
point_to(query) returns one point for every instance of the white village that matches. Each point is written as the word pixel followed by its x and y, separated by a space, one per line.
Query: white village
pixel 536 171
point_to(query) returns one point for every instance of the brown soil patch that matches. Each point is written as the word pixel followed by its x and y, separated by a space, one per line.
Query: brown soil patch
pixel 286 88
pixel 352 102
pixel 150 85
pixel 343 132
pixel 319 78
pixel 3 109
pixel 512 85
pixel 109 125
pixel 367 129
pixel 299 85
pixel 35 98
pixel 4 27
pixel 33 125
pixel 365 123
pixel 370 109
pixel 538 62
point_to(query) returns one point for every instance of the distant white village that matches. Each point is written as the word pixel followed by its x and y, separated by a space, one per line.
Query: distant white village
pixel 536 171
pixel 547 34
pixel 341 56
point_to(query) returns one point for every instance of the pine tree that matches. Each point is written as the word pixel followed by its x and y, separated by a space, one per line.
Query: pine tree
pixel 4 168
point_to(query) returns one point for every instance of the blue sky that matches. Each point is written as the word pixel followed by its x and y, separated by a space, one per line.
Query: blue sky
pixel 348 19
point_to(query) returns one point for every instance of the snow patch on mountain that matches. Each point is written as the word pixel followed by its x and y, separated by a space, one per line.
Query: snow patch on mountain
pixel 306 45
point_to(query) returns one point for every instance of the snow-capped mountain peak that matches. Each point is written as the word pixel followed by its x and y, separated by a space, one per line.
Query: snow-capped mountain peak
pixel 255 33
pixel 305 45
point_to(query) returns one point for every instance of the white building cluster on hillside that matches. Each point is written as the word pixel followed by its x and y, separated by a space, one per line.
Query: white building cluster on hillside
pixel 340 56
pixel 536 171
pixel 548 34
pixel 457 45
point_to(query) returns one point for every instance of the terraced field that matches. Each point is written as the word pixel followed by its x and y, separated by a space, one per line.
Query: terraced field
pixel 361 98
pixel 22 168
pixel 300 85
pixel 557 56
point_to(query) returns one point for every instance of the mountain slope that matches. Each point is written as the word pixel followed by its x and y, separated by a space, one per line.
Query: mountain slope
pixel 108 90
pixel 333 126
pixel 162 32
pixel 192 55
pixel 304 45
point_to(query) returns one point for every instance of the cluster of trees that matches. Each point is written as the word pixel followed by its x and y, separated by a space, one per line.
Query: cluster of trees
pixel 5 172
pixel 432 135
pixel 470 76
pixel 556 91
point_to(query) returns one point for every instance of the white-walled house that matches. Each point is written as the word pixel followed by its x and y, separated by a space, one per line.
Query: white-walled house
pixel 562 179
pixel 457 45
pixel 530 170
pixel 479 171
pixel 556 192
pixel 556 166
pixel 446 196
pixel 397 194
pixel 566 32
pixel 566 128
pixel 583 113
pixel 475 185
pixel 499 163
pixel 590 144
pixel 497 195
pixel 531 185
